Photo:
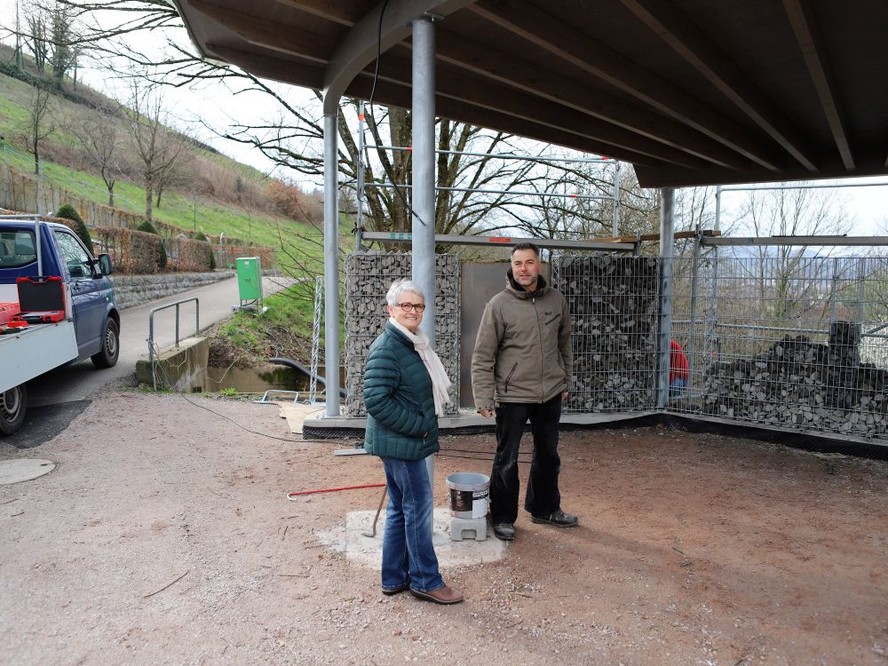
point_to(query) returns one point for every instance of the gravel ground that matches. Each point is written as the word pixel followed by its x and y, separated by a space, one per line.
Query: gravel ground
pixel 165 536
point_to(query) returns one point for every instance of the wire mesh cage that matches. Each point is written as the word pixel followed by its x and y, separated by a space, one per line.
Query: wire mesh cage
pixel 368 278
pixel 613 302
pixel 786 340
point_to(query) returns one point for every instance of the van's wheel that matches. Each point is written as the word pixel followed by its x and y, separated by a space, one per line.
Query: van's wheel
pixel 13 405
pixel 107 357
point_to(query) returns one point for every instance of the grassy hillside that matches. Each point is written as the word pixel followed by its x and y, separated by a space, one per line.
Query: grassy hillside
pixel 213 194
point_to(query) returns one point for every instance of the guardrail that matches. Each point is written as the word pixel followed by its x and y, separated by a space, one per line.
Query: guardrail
pixel 151 355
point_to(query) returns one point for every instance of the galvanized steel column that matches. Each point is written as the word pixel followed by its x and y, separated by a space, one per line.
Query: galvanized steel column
pixel 423 200
pixel 667 224
pixel 331 262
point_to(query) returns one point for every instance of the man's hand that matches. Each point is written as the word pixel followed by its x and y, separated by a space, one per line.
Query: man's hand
pixel 564 395
pixel 487 413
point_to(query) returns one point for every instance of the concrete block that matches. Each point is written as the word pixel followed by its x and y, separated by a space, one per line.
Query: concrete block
pixel 477 526
pixel 182 369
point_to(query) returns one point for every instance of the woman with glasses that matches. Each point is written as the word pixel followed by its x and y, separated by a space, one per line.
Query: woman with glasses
pixel 405 390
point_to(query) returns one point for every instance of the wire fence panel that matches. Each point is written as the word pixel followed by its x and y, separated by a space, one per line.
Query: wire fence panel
pixel 786 340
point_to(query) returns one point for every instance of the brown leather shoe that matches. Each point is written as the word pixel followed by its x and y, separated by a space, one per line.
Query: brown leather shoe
pixel 443 595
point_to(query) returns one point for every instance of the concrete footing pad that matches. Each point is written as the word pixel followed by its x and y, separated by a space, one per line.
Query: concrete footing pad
pixel 350 539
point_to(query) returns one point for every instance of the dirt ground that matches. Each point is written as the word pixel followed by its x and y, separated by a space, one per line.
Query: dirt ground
pixel 165 536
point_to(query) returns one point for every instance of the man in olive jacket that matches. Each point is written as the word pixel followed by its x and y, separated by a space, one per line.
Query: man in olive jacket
pixel 521 369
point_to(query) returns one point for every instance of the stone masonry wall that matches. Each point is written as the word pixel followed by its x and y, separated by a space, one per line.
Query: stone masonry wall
pixel 133 290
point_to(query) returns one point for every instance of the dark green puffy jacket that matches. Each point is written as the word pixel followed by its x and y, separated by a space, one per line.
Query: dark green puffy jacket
pixel 401 421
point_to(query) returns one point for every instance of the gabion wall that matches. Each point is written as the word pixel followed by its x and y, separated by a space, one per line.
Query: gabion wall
pixel 613 302
pixel 368 278
pixel 792 344
pixel 800 383
pixel 800 346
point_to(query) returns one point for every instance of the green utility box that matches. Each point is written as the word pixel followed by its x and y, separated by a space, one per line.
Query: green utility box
pixel 249 281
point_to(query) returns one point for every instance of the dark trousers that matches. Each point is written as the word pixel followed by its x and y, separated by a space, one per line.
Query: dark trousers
pixel 542 496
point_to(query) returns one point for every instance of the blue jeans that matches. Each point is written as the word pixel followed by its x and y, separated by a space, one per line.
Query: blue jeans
pixel 407 550
pixel 677 387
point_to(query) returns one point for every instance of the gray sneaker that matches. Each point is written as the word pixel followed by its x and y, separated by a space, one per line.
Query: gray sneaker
pixel 504 531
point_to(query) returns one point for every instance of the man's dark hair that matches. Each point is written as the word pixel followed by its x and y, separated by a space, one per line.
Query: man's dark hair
pixel 525 246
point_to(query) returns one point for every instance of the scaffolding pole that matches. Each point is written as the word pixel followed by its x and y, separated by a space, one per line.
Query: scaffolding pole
pixel 316 340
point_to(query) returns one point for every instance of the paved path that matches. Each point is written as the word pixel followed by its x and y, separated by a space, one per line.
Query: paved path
pixel 82 381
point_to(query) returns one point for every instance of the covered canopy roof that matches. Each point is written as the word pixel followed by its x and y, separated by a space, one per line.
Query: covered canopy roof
pixel 691 92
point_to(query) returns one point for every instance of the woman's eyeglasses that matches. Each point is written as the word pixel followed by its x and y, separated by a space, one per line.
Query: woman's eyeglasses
pixel 410 307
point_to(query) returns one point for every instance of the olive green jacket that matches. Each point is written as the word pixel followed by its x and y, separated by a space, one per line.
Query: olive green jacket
pixel 523 349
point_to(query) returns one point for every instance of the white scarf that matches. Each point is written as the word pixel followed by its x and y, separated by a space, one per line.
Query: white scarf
pixel 440 381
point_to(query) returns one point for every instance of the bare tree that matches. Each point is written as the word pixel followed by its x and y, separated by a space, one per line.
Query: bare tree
pixel 481 189
pixel 639 212
pixel 63 42
pixel 786 279
pixel 36 37
pixel 157 148
pixel 50 35
pixel 39 123
pixel 173 174
pixel 100 140
pixel 134 16
pixel 19 55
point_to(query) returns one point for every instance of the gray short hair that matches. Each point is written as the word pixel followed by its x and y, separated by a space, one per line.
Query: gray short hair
pixel 400 287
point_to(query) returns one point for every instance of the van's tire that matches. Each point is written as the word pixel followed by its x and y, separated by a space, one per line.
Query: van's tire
pixel 13 405
pixel 107 357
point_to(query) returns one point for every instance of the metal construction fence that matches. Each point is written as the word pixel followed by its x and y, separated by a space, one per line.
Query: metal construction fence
pixel 785 340
pixel 778 340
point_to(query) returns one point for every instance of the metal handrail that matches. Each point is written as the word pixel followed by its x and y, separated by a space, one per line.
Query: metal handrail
pixel 150 340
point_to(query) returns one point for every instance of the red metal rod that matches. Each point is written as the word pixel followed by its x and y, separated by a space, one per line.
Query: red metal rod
pixel 333 490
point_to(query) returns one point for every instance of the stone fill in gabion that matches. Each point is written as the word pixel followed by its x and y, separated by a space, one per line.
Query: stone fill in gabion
pixel 799 383
pixel 613 302
pixel 368 278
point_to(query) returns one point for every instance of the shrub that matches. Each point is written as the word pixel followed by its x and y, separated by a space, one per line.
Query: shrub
pixel 68 212
pixel 211 258
pixel 147 227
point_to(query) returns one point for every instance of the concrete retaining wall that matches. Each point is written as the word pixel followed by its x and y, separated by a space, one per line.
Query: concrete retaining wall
pixel 182 369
